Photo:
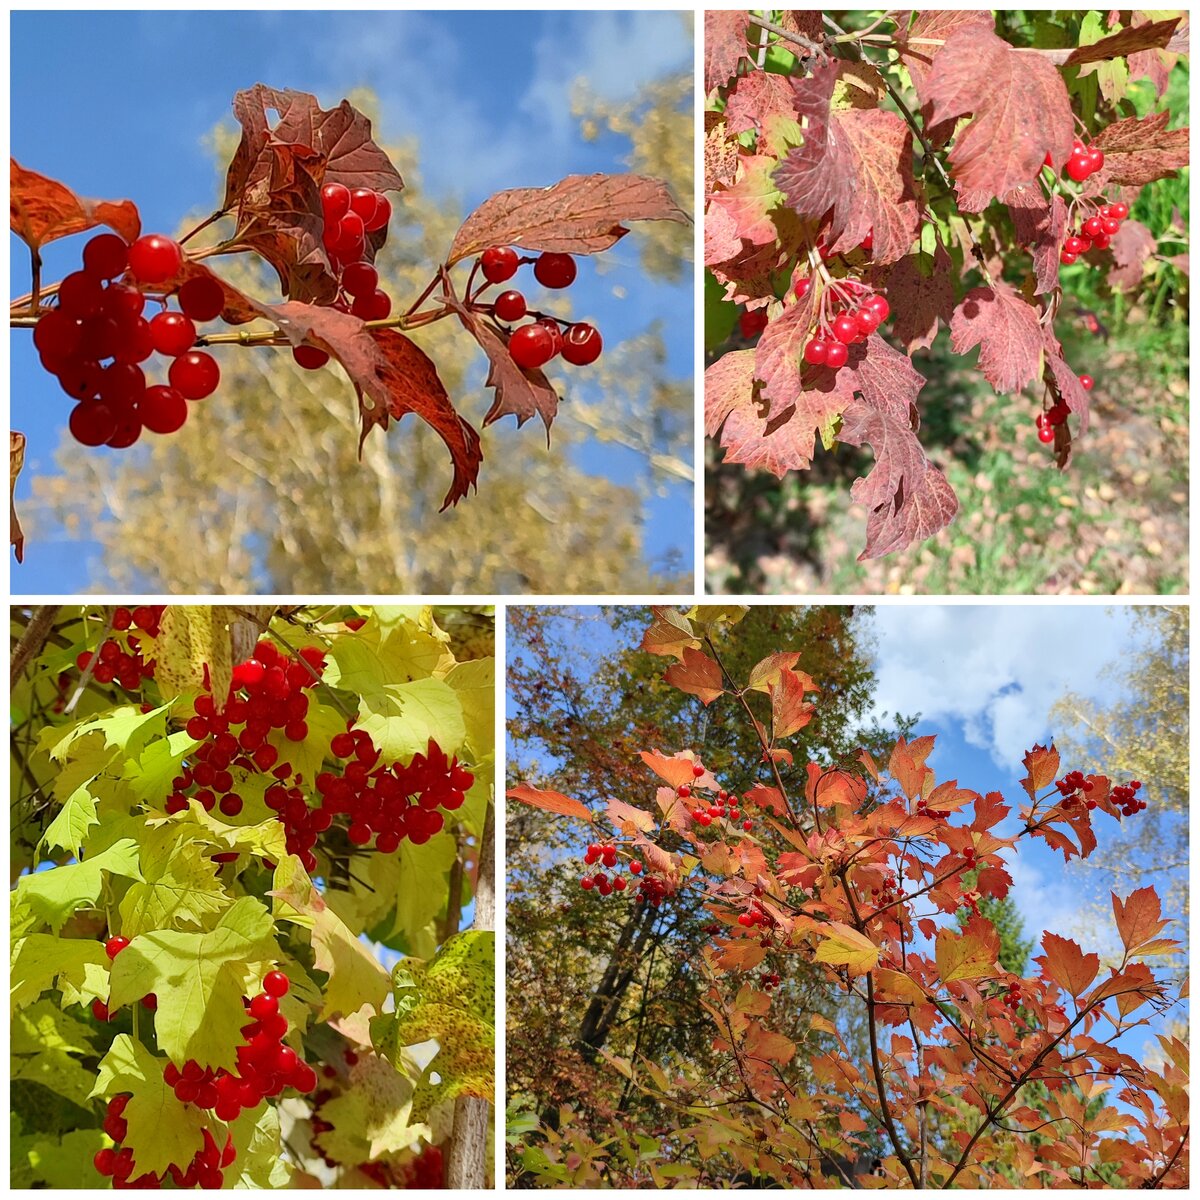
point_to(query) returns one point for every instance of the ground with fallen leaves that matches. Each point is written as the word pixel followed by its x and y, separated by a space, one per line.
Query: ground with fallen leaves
pixel 1114 523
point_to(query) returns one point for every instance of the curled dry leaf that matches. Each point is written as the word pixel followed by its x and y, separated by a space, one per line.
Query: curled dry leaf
pixel 581 214
pixel 16 460
pixel 42 209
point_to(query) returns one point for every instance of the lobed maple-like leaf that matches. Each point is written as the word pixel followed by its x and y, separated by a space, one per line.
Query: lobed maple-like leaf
pixel 1139 918
pixel 1066 964
pixel 918 43
pixel 724 46
pixel 856 166
pixel 1131 246
pixel 757 97
pixel 749 202
pixel 995 153
pixel 1138 151
pixel 392 376
pixel 42 210
pixel 842 945
pixel 581 214
pixel 971 955
pixel 1073 393
pixel 789 711
pixel 696 674
pixel 920 288
pixel 1007 331
pixel 627 819
pixel 670 632
pixel 551 801
pixel 1042 766
pixel 779 355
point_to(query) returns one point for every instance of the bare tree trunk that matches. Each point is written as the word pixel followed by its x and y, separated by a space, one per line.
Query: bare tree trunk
pixel 467 1165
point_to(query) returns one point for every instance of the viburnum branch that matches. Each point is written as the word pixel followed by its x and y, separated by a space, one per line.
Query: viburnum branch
pixel 86 677
pixel 35 273
pixel 32 640
pixel 796 39
pixel 187 237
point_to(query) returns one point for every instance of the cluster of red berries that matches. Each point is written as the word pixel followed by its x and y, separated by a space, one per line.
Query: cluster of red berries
pixel 1096 233
pixel 724 807
pixel 95 339
pixel 349 216
pixel 1058 412
pixel 391 804
pixel 1124 796
pixel 606 855
pixel 939 814
pixel 120 659
pixel 652 889
pixel 753 323
pixel 829 347
pixel 1012 996
pixel 1082 162
pixel 756 917
pixel 116 1162
pixel 769 980
pixel 887 893
pixel 535 344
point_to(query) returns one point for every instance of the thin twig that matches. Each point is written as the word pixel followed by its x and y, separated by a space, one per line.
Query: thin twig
pixel 32 640
pixel 90 669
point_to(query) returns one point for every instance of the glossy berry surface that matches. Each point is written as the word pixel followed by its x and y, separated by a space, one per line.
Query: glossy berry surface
pixel 202 298
pixel 510 306
pixel 531 346
pixel 195 374
pixel 155 258
pixel 582 344
pixel 555 270
pixel 498 263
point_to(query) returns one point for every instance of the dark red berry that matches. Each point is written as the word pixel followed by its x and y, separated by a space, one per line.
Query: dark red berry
pixel 105 256
pixel 531 346
pixel 582 344
pixel 498 263
pixel 555 270
pixel 202 298
pixel 195 374
pixel 163 409
pixel 510 306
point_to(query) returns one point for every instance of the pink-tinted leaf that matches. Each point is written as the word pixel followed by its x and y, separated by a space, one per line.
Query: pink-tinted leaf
pixel 724 46
pixel 42 209
pixel 721 153
pixel 920 41
pixel 779 355
pixel 551 801
pixel 1073 393
pixel 581 214
pixel 757 96
pixel 995 153
pixel 1006 329
pixel 520 392
pixel 749 202
pixel 628 819
pixel 920 290
pixel 697 675
pixel 1138 151
pixel 1041 227
pixel 1131 245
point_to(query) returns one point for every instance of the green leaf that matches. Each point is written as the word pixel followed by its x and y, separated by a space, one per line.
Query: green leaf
pixel 451 1001
pixel 256 1138
pixel 55 1162
pixel 719 315
pixel 474 682
pixel 402 717
pixel 126 728
pixel 372 1117
pixel 58 1071
pixel 55 894
pixel 44 1026
pixel 78 814
pixel 179 884
pixel 78 968
pixel 149 775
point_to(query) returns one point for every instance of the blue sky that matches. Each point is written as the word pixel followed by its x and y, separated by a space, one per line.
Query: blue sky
pixel 487 93
pixel 983 679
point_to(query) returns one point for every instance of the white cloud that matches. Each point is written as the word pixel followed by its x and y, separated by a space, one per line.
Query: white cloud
pixel 995 670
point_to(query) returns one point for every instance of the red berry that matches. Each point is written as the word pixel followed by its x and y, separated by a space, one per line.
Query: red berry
pixel 162 409
pixel 554 270
pixel 173 334
pixel 202 298
pixel 155 258
pixel 1067 259
pixel 276 983
pixel 360 279
pixel 752 324
pixel 1075 245
pixel 1078 167
pixel 498 263
pixel 531 346
pixel 803 286
pixel 311 358
pixel 363 201
pixel 1101 242
pixel 582 344
pixel 836 355
pixel 105 1160
pixel 57 334
pixel 231 804
pixel 816 351
pixel 1111 225
pixel 880 307
pixel 122 300
pixel 382 214
pixel 510 306
pixel 335 201
pixel 1095 160
pixel 134 341
pixel 1087 382
pixel 195 374
pixel 867 321
pixel 80 295
pixel 359 833
pixel 635 867
pixel 115 945
pixel 91 423
pixel 1045 434
pixel 375 307
pixel 1093 227
pixel 556 334
pixel 1120 210
pixel 100 1010
pixel 747 825
pixel 845 329
pixel 105 256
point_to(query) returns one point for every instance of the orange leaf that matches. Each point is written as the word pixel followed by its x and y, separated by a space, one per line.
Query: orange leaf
pixel 1139 919
pixel 789 712
pixel 628 819
pixel 669 633
pixel 554 802
pixel 42 209
pixel 907 765
pixel 697 675
pixel 1066 964
pixel 767 672
pixel 676 771
pixel 1042 765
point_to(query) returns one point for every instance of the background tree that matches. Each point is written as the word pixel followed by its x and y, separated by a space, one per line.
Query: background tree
pixel 268 494
pixel 585 978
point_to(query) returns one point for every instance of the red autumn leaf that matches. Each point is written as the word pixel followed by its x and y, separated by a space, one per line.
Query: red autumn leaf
pixel 921 292
pixel 750 202
pixel 669 632
pixel 906 765
pixel 1067 965
pixel 1007 331
pixel 995 153
pixel 724 46
pixel 519 392
pixel 855 165
pixel 675 771
pixel 789 712
pixel 1135 980
pixel 993 881
pixel 920 42
pixel 581 214
pixel 16 460
pixel 1138 151
pixel 779 355
pixel 1139 918
pixel 1073 393
pixel 769 798
pixel 42 209
pixel 1041 226
pixel 1042 765
pixel 756 97
pixel 697 675
pixel 392 376
pixel 990 810
pixel 340 136
pixel 720 156
pixel 907 497
pixel 1131 245
pixel 551 801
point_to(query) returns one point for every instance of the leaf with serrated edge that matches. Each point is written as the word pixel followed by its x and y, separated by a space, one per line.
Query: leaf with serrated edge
pixel 551 801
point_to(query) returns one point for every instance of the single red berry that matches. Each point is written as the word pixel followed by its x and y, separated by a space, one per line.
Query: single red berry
pixel 173 333
pixel 498 263
pixel 375 307
pixel 105 1160
pixel 364 201
pixel 803 286
pixel 100 1010
pixel 880 307
pixel 115 945
pixel 134 341
pixel 92 423
pixel 231 804
pixel 335 201
pixel 586 883
pixel 1067 259
pixel 1111 225
pixel 276 983
pixel 162 409
pixel 554 270
pixel 1120 210
pixel 360 279
pixel 751 324
pixel 1078 167
pixel 359 833
pixel 57 334
pixel 867 321
pixel 155 258
pixel 382 214
pixel 868 243
pixel 1087 382
pixel 836 355
pixel 556 334
pixel 531 346
pixel 1102 242
pixel 195 374
pixel 816 351
pixel 1093 227
pixel 202 298
pixel 747 825
pixel 582 344
pixel 1075 245
pixel 1095 160
pixel 635 867
pixel 311 358
pixel 150 1002
pixel 1045 434
pixel 684 792
pixel 80 295
pixel 510 306
pixel 105 256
